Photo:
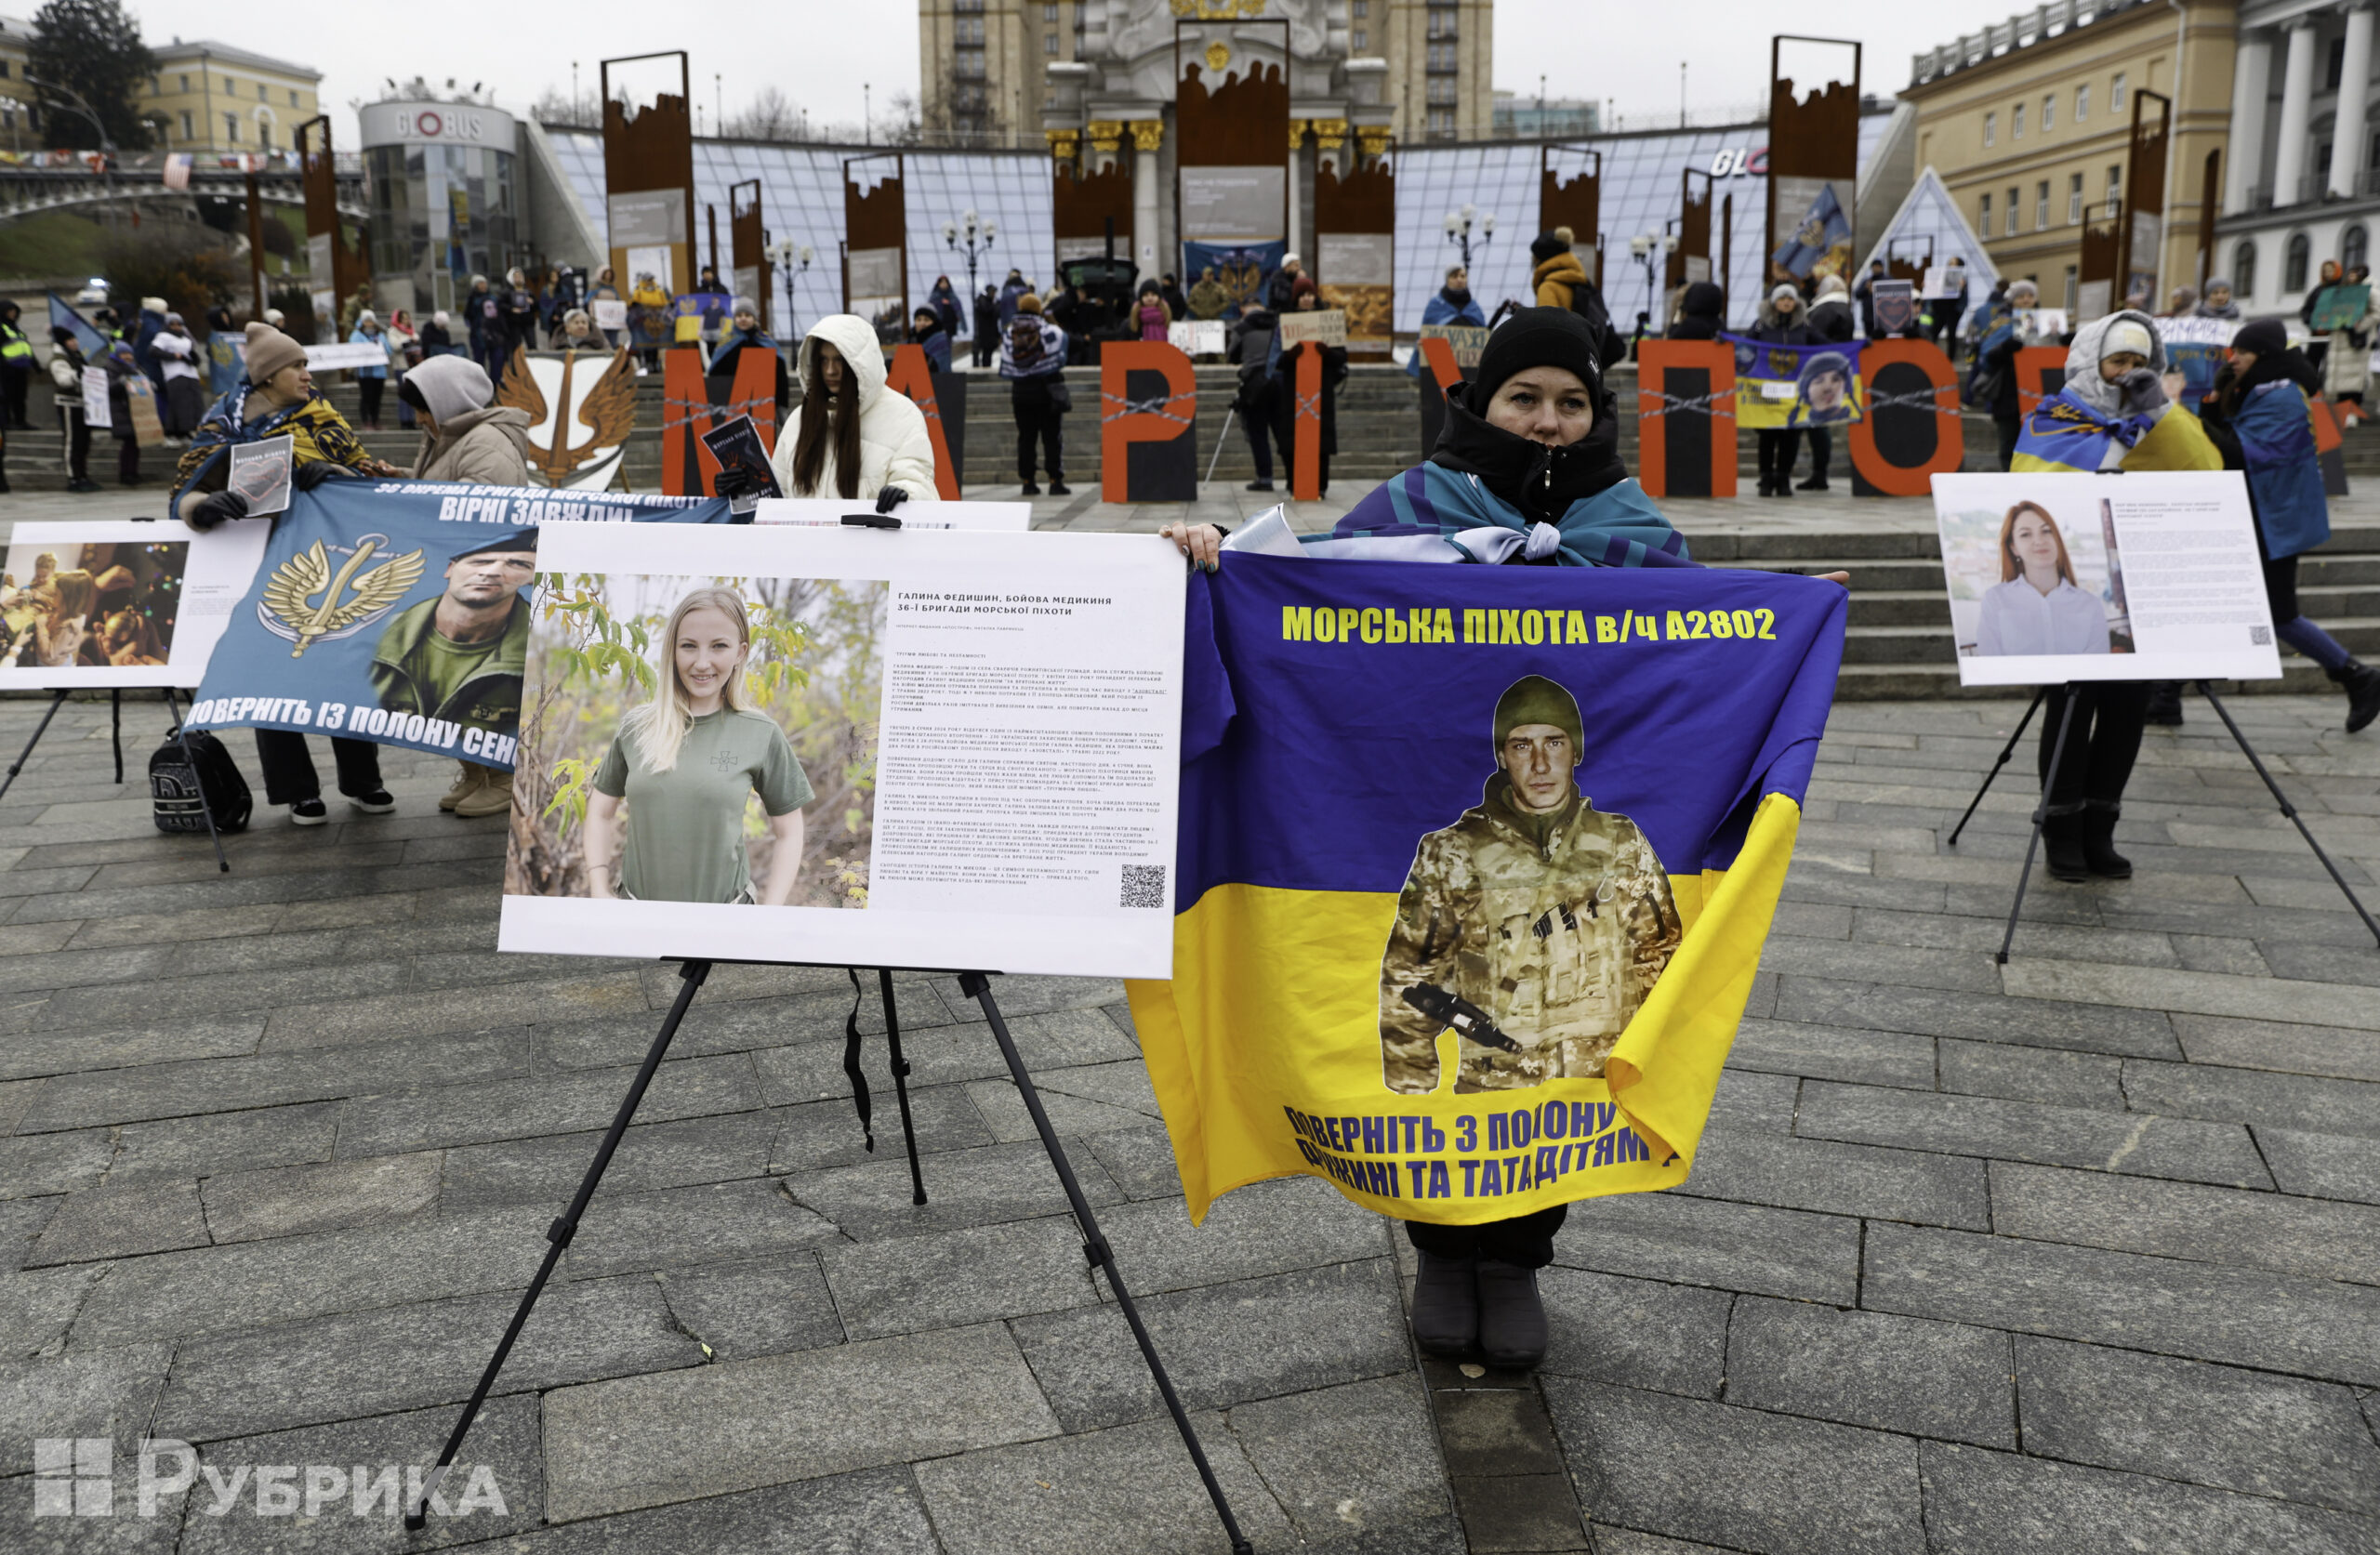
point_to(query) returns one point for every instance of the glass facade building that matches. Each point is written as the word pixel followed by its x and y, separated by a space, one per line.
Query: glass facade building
pixel 445 198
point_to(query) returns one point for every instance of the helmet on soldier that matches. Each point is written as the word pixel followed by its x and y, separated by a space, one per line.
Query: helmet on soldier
pixel 1535 699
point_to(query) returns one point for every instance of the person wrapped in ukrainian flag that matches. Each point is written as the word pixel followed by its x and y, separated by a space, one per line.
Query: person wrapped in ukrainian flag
pixel 2112 415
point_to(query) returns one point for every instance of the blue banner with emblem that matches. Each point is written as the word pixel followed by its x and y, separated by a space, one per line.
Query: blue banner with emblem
pixel 397 613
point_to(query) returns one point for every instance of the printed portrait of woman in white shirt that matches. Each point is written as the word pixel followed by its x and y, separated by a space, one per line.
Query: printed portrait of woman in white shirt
pixel 2037 607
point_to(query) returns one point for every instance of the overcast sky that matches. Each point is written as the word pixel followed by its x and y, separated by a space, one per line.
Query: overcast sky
pixel 819 54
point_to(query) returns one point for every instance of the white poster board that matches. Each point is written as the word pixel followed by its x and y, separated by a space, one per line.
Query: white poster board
pixel 610 313
pixel 989 724
pixel 916 513
pixel 347 355
pixel 1197 336
pixel 120 603
pixel 97 413
pixel 2147 576
pixel 1325 326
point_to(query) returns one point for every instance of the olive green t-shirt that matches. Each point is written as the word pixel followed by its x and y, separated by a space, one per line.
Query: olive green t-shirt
pixel 686 825
pixel 444 665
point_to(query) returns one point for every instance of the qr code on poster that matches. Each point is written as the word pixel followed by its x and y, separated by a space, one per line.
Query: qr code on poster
pixel 2260 636
pixel 1143 885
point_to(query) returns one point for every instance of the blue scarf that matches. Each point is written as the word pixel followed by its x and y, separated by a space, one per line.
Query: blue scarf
pixel 737 341
pixel 1617 527
pixel 2284 478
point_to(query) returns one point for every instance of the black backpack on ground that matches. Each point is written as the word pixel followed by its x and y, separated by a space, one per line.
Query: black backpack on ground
pixel 177 781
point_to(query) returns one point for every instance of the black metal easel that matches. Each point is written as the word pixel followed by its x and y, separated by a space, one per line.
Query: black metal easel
pixel 115 701
pixel 976 986
pixel 2058 754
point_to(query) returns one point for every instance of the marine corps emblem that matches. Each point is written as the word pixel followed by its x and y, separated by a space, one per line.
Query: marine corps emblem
pixel 305 603
pixel 580 412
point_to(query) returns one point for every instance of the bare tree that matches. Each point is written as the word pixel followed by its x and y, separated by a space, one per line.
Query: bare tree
pixel 555 106
pixel 898 125
pixel 770 116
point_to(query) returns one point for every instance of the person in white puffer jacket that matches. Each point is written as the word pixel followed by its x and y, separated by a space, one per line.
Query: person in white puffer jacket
pixel 852 437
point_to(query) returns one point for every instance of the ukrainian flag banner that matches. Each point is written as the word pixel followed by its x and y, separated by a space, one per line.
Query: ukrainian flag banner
pixel 1474 868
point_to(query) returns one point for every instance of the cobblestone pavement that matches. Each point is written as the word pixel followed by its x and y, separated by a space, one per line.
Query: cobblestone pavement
pixel 2078 1255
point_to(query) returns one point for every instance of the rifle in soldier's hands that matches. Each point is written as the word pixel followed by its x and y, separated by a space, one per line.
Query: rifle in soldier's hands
pixel 1467 1018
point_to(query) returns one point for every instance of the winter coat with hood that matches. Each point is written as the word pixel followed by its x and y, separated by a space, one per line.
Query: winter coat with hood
pixel 893 445
pixel 1779 329
pixel 2162 436
pixel 479 443
pixel 1702 312
pixel 1830 315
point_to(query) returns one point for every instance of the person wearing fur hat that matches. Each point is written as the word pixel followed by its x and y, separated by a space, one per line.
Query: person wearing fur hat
pixel 1780 324
pixel 280 399
pixel 2112 413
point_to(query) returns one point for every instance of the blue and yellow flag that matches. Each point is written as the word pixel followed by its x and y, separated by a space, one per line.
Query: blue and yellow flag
pixel 1474 869
pixel 2065 436
pixel 1796 386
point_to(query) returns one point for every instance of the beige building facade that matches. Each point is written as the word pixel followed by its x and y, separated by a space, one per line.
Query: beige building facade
pixel 984 65
pixel 2029 122
pixel 211 96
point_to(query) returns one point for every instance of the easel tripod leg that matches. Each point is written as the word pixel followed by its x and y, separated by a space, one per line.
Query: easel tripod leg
pixel 2006 751
pixel 115 727
pixel 560 1233
pixel 900 1082
pixel 56 700
pixel 2041 817
pixel 182 735
pixel 2289 809
pixel 977 986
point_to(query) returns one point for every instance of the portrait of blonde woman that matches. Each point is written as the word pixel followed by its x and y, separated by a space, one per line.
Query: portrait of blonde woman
pixel 685 765
pixel 2037 607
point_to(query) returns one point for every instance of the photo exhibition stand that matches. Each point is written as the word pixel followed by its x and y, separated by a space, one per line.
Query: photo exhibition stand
pixel 976 986
pixel 2057 754
pixel 115 699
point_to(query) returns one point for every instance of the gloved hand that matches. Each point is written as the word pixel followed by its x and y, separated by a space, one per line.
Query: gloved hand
pixel 2142 391
pixel 313 472
pixel 733 480
pixel 220 508
pixel 888 498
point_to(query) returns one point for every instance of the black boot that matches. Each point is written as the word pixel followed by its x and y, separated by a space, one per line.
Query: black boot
pixel 2165 703
pixel 1815 483
pixel 2062 847
pixel 2098 831
pixel 2361 683
pixel 1445 1306
pixel 1512 1316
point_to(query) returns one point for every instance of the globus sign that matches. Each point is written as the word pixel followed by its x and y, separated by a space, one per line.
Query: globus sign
pixel 1736 163
pixel 452 123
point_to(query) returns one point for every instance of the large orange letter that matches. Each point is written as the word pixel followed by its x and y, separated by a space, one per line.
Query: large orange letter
pixel 1686 419
pixel 1306 485
pixel 1910 432
pixel 1148 423
pixel 912 374
pixel 694 405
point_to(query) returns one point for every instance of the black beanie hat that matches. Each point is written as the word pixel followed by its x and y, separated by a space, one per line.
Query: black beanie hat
pixel 1537 337
pixel 2265 338
pixel 1547 245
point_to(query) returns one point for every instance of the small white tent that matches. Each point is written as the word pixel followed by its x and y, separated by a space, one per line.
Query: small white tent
pixel 1930 213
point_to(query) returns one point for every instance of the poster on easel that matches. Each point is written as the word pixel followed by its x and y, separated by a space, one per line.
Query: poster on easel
pixel 2152 576
pixel 114 604
pixel 784 744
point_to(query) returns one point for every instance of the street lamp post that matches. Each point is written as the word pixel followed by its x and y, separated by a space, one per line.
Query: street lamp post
pixel 106 141
pixel 790 256
pixel 967 225
pixel 1458 226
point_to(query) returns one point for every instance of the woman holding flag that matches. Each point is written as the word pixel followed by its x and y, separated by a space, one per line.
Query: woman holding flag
pixel 2112 415
pixel 2258 418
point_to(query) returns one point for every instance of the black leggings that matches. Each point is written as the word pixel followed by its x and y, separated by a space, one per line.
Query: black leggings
pixel 1777 447
pixel 1526 1240
pixel 2101 743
